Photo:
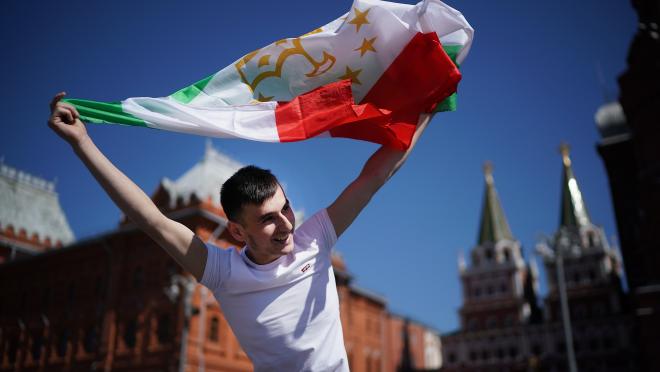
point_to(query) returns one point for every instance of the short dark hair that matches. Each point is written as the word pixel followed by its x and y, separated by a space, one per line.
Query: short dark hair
pixel 249 185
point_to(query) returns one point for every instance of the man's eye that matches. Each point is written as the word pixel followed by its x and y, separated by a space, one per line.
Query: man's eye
pixel 286 207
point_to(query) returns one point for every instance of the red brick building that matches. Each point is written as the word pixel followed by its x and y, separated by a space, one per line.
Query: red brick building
pixel 117 301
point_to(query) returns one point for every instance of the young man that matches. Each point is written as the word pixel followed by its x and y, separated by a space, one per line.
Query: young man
pixel 278 293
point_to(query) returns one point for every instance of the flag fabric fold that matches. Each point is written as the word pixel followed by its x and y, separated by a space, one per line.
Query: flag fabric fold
pixel 366 75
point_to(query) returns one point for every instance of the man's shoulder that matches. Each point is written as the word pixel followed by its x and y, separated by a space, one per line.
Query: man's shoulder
pixel 316 230
pixel 221 253
pixel 315 222
pixel 225 249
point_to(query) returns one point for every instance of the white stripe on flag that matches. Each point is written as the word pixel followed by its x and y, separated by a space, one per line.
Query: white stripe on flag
pixel 253 121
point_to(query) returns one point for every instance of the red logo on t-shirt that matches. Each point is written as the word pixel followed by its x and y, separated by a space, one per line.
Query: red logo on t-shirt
pixel 305 268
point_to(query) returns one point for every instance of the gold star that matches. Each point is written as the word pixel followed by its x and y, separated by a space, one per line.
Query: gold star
pixel 263 98
pixel 367 45
pixel 360 19
pixel 353 75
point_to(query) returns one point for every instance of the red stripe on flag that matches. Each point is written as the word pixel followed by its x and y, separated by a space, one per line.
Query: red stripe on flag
pixel 421 76
pixel 321 109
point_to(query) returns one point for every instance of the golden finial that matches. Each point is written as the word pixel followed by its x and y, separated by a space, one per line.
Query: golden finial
pixel 564 150
pixel 488 171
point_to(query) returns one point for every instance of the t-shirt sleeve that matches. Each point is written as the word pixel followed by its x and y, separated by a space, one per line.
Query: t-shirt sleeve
pixel 217 267
pixel 323 230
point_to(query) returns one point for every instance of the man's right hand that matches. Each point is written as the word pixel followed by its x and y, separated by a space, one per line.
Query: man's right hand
pixel 65 121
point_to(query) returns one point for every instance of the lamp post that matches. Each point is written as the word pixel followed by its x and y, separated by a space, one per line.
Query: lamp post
pixel 188 284
pixel 173 293
pixel 557 256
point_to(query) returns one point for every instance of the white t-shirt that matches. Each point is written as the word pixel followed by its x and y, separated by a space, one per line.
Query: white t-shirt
pixel 285 314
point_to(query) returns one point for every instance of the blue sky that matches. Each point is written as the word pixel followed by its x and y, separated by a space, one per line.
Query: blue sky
pixel 529 83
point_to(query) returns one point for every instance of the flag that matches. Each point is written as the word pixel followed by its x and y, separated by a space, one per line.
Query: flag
pixel 366 75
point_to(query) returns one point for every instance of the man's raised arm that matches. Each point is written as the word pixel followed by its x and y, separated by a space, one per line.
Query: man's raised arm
pixel 376 171
pixel 178 240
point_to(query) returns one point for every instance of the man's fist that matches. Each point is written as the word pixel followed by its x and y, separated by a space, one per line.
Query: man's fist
pixel 65 120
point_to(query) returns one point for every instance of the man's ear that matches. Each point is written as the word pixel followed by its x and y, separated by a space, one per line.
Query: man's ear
pixel 236 231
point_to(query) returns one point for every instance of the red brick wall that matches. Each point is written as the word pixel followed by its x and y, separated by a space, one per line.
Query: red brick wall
pixel 112 281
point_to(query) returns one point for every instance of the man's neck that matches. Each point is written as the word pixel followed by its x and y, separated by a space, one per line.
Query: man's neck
pixel 259 260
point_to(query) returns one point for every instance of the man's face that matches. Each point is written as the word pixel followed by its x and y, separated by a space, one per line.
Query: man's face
pixel 267 228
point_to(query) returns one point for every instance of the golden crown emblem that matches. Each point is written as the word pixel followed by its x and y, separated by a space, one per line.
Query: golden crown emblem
pixel 287 49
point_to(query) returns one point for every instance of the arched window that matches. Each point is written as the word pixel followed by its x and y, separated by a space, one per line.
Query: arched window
pixel 507 255
pixel 23 302
pixel 214 334
pixel 130 333
pixel 592 239
pixel 71 293
pixel 598 309
pixel 45 298
pixel 91 339
pixel 12 349
pixel 100 287
pixel 560 347
pixel 37 345
pixel 577 277
pixel 164 329
pixel 138 277
pixel 70 298
pixel 375 362
pixel 580 311
pixel 63 342
pixel 475 259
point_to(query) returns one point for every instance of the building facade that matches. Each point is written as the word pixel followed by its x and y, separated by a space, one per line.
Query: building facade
pixel 504 328
pixel 629 149
pixel 31 219
pixel 118 302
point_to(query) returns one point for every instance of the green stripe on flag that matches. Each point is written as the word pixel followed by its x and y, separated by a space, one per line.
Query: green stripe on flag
pixel 449 103
pixel 187 94
pixel 452 51
pixel 104 113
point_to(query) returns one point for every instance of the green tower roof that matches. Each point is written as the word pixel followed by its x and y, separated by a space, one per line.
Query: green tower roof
pixel 494 226
pixel 573 209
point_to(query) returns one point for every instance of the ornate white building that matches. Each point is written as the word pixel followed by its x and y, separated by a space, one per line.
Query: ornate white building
pixel 31 218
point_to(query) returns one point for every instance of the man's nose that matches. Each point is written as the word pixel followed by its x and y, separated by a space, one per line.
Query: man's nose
pixel 284 223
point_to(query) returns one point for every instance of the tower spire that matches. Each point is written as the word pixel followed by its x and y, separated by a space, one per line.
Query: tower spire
pixel 494 226
pixel 573 209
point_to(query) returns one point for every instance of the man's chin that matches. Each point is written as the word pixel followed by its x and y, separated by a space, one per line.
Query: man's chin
pixel 287 249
